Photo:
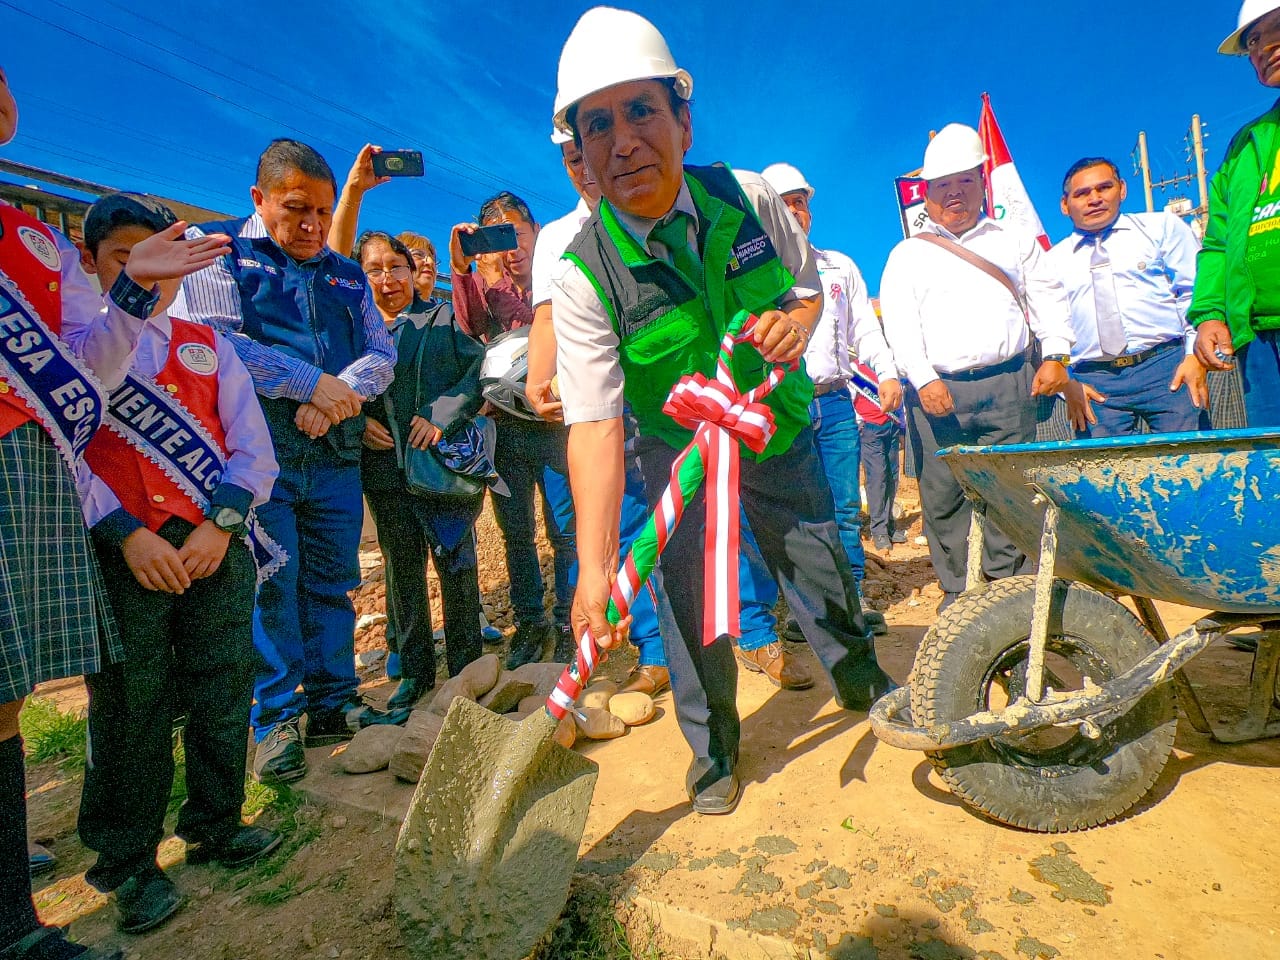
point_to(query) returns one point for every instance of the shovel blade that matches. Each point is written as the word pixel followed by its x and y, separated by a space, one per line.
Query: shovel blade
pixel 490 843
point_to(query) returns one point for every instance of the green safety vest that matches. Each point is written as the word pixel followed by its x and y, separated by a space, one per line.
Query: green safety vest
pixel 668 330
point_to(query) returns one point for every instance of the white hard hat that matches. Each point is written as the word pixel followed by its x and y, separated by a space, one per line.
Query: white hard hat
pixel 504 372
pixel 1251 11
pixel 784 178
pixel 608 47
pixel 955 149
pixel 559 136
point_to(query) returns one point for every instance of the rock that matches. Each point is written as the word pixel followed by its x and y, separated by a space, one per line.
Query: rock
pixel 506 693
pixel 411 753
pixel 567 732
pixel 370 619
pixel 597 695
pixel 367 658
pixel 633 708
pixel 476 679
pixel 530 704
pixel 543 676
pixel 371 749
pixel 595 724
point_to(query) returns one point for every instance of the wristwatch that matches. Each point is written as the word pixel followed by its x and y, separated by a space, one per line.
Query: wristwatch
pixel 1062 358
pixel 227 519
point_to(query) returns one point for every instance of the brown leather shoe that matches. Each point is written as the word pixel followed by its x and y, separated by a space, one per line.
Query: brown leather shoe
pixel 647 678
pixel 773 662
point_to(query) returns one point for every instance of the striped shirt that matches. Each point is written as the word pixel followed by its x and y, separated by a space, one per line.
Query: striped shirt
pixel 211 296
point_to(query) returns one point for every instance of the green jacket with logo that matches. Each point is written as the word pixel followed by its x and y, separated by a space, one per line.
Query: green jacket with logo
pixel 668 330
pixel 1225 286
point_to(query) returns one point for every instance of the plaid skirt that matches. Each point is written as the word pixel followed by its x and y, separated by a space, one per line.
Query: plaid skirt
pixel 54 618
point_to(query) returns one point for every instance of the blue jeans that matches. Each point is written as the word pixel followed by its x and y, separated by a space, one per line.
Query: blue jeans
pixel 835 434
pixel 880 446
pixel 651 613
pixel 758 593
pixel 532 457
pixel 1141 393
pixel 304 623
pixel 1260 367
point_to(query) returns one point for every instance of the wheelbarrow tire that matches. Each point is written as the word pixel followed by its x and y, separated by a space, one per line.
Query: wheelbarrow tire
pixel 1081 783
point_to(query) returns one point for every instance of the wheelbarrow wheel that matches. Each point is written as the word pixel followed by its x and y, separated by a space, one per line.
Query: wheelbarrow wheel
pixel 1054 779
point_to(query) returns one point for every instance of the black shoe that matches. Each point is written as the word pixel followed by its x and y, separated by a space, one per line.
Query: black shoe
pixel 898 536
pixel 566 647
pixel 408 693
pixel 881 542
pixel 146 900
pixel 793 632
pixel 875 622
pixel 859 682
pixel 527 644
pixel 243 845
pixel 279 757
pixel 326 727
pixel 50 943
pixel 713 786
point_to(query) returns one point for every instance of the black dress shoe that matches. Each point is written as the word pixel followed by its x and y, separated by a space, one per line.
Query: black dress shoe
pixel 526 644
pixel 713 786
pixel 50 943
pixel 146 900
pixel 243 845
pixel 408 693
pixel 325 727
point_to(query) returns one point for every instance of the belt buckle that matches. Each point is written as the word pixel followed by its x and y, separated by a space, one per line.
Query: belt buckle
pixel 1126 361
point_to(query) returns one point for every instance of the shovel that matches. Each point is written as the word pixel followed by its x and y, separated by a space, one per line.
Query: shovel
pixel 489 845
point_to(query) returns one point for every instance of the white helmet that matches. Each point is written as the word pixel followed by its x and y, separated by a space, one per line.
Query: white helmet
pixel 955 149
pixel 559 137
pixel 504 372
pixel 784 178
pixel 608 47
pixel 1251 11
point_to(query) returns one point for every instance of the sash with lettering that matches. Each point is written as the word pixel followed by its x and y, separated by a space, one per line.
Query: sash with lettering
pixel 162 429
pixel 65 399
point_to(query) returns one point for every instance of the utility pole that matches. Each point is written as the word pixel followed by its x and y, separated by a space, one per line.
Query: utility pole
pixel 1194 140
pixel 1143 165
pixel 1197 148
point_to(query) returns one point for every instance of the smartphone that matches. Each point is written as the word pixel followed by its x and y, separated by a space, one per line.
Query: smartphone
pixel 398 163
pixel 494 239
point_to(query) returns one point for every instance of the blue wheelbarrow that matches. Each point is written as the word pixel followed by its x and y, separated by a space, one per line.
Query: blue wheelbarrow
pixel 1043 701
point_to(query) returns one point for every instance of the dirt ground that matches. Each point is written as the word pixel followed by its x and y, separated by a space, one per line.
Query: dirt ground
pixel 842 847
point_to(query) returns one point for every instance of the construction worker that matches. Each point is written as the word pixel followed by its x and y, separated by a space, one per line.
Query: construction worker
pixel 1236 305
pixel 641 300
pixel 963 303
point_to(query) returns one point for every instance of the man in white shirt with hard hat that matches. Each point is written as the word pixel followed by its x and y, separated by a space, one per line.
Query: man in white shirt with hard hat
pixel 641 301
pixel 964 303
pixel 848 326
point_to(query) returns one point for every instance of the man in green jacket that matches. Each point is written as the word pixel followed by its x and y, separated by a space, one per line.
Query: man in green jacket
pixel 641 299
pixel 1236 306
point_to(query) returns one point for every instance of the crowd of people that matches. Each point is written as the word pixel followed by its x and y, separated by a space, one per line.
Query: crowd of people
pixel 185 456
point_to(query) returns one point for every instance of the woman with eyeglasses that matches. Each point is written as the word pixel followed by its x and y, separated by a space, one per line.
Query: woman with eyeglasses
pixel 436 391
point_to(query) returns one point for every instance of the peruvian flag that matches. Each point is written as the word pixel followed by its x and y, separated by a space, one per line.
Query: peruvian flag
pixel 1007 199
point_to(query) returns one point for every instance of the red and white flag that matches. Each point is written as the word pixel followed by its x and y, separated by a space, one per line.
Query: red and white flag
pixel 1007 199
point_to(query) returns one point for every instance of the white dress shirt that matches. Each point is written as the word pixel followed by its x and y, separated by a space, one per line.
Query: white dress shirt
pixel 553 241
pixel 251 458
pixel 943 315
pixel 591 382
pixel 1153 261
pixel 848 324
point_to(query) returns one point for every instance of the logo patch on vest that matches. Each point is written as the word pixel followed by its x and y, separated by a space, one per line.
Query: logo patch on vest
pixel 746 254
pixel 344 283
pixel 41 247
pixel 198 358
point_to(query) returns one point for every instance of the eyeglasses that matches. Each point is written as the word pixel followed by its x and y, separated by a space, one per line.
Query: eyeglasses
pixel 423 259
pixel 397 273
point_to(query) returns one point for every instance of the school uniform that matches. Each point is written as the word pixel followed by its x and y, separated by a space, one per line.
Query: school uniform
pixel 166 464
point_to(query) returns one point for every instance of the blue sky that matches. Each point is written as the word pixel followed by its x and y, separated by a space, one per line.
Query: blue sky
pixel 179 97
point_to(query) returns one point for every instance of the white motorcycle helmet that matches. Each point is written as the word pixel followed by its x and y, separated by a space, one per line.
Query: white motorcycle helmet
pixel 504 372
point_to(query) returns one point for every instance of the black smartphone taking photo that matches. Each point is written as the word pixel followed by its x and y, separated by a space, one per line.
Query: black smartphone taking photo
pixel 492 239
pixel 398 163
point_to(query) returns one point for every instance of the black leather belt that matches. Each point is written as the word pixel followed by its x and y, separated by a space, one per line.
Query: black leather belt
pixel 981 373
pixel 1129 359
pixel 831 386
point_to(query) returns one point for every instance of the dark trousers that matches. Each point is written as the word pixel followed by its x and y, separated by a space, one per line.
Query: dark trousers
pixel 1260 369
pixel 788 503
pixel 880 446
pixel 190 653
pixel 533 457
pixel 407 537
pixel 1140 394
pixel 988 410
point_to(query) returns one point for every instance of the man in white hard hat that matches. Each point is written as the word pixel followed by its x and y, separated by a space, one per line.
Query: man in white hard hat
pixel 848 326
pixel 963 304
pixel 641 300
pixel 1236 306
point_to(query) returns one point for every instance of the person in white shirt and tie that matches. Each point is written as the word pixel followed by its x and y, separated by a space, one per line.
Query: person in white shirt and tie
pixel 1129 279
pixel 963 304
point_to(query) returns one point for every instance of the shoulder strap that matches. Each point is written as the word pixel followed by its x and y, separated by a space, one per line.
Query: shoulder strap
pixel 980 262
